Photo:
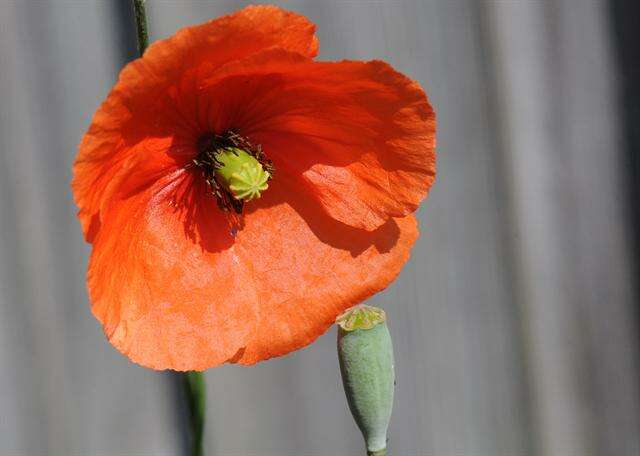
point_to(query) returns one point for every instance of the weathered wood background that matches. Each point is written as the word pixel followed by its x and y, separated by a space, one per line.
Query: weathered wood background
pixel 515 322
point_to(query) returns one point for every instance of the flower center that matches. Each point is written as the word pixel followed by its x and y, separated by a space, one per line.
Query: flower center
pixel 235 170
pixel 241 174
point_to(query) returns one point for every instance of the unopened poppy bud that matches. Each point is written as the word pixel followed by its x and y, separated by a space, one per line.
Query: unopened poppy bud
pixel 241 174
pixel 365 352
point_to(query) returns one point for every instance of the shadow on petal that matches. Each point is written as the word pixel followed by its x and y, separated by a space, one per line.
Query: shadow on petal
pixel 327 229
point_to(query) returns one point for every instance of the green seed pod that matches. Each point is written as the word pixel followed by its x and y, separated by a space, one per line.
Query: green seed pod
pixel 241 174
pixel 365 352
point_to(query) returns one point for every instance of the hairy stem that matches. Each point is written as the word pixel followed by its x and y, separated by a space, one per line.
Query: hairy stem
pixel 194 388
pixel 141 25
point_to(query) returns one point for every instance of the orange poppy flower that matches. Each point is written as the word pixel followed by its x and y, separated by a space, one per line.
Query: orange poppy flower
pixel 240 195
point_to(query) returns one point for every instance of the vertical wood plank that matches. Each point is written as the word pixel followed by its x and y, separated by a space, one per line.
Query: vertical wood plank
pixel 554 87
pixel 63 389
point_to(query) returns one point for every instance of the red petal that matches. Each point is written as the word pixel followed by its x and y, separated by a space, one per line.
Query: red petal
pixel 359 135
pixel 153 98
pixel 307 268
pixel 174 290
pixel 164 282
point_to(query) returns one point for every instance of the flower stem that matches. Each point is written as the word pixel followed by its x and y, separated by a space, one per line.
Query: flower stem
pixel 377 453
pixel 141 25
pixel 194 388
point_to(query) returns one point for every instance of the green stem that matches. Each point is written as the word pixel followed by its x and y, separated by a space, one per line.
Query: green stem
pixel 141 25
pixel 377 453
pixel 194 388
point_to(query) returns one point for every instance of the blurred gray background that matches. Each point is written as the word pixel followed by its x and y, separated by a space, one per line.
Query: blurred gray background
pixel 515 323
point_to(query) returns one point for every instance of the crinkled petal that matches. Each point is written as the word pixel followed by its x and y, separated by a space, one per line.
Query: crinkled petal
pixel 175 290
pixel 165 280
pixel 307 268
pixel 153 95
pixel 359 136
pixel 353 145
